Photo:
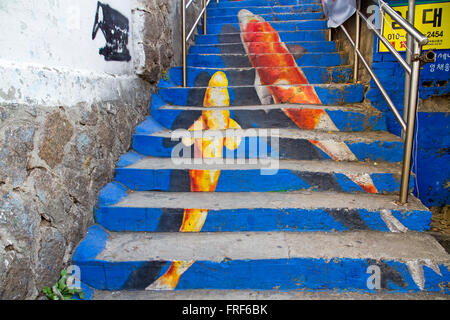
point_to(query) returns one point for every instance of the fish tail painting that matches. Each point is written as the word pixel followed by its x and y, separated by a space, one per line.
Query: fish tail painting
pixel 203 180
pixel 288 84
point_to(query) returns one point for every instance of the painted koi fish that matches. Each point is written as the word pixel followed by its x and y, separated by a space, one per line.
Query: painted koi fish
pixel 290 85
pixel 203 180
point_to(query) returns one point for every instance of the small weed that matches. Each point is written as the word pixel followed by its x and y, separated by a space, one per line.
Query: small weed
pixel 164 75
pixel 61 290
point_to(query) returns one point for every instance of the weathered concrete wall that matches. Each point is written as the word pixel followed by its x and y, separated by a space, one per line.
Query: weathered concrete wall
pixel 158 38
pixel 69 103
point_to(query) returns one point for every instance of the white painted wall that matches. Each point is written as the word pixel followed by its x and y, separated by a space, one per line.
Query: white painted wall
pixel 48 57
pixel 58 33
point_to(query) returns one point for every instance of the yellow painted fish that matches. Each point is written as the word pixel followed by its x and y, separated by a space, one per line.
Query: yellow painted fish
pixel 203 180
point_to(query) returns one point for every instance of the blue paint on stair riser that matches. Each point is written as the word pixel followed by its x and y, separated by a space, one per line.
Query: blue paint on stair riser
pixel 277 25
pixel 246 76
pixel 340 274
pixel 343 120
pixel 241 96
pixel 294 149
pixel 269 17
pixel 309 46
pixel 129 158
pixel 149 125
pixel 112 193
pixel 285 36
pixel 123 219
pixel 253 181
pixel 227 11
pixel 243 61
pixel 92 245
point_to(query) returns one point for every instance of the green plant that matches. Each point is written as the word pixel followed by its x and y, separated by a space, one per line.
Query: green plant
pixel 164 75
pixel 61 290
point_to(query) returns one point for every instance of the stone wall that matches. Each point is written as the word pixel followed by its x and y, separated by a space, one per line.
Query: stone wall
pixel 67 112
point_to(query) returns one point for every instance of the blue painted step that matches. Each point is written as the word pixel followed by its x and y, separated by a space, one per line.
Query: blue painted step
pixel 283 143
pixel 310 46
pixel 229 11
pixel 246 76
pixel 246 95
pixel 285 36
pixel 345 118
pixel 301 25
pixel 290 261
pixel 119 209
pixel 270 17
pixel 161 174
pixel 322 59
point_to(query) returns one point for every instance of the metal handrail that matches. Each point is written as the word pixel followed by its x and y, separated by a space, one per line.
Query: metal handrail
pixel 185 38
pixel 411 65
pixel 409 28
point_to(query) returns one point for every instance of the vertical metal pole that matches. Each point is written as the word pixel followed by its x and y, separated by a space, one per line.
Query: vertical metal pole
pixel 411 122
pixel 409 41
pixel 358 36
pixel 204 17
pixel 183 42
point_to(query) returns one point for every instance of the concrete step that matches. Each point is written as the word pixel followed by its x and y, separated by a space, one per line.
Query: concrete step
pixel 120 209
pixel 284 36
pixel 269 17
pixel 261 295
pixel 341 118
pixel 292 25
pixel 247 3
pixel 247 76
pixel 293 144
pixel 140 173
pixel 301 8
pixel 235 60
pixel 252 95
pixel 264 47
pixel 406 262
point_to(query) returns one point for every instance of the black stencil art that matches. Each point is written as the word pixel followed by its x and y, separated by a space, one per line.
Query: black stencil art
pixel 115 28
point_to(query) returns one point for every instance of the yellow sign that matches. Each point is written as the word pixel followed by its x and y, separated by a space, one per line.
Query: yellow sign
pixel 432 19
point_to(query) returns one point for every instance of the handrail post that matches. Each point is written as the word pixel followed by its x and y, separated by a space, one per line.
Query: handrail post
pixel 411 122
pixel 183 42
pixel 409 41
pixel 358 36
pixel 204 16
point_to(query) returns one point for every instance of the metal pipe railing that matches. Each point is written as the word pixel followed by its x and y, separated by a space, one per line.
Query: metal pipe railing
pixel 409 42
pixel 412 66
pixel 397 55
pixel 358 36
pixel 185 38
pixel 409 28
pixel 376 80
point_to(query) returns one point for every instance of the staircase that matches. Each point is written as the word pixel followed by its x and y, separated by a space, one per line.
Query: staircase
pixel 307 198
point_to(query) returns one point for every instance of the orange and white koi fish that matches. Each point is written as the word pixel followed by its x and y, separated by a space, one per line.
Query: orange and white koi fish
pixel 203 180
pixel 290 85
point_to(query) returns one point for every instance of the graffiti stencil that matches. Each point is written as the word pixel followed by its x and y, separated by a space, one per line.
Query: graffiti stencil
pixel 115 28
